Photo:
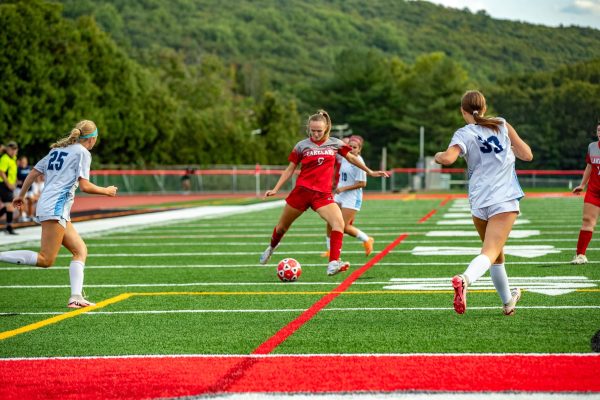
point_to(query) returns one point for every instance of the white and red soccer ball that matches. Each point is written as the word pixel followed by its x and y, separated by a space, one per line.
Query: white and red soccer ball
pixel 289 270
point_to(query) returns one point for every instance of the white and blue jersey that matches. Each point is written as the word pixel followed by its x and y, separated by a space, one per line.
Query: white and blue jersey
pixel 350 174
pixel 62 168
pixel 490 164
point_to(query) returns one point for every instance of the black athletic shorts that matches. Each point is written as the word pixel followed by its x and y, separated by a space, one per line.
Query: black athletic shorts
pixel 6 195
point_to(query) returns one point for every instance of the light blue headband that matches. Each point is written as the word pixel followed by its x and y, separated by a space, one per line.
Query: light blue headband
pixel 90 135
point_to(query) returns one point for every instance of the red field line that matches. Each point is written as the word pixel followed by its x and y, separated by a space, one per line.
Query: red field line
pixel 293 326
pixel 426 217
pixel 140 377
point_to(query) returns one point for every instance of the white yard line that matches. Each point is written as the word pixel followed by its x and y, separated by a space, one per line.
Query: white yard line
pixel 140 221
pixel 286 310
pixel 387 264
pixel 444 283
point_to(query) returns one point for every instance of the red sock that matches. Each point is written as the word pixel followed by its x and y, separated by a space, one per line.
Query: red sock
pixel 276 237
pixel 584 240
pixel 335 248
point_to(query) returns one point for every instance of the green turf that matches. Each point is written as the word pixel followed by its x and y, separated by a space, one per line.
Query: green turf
pixel 229 304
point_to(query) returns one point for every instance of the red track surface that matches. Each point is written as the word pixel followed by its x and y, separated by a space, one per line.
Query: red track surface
pixel 136 378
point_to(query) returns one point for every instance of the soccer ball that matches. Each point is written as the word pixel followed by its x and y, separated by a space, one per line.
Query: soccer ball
pixel 289 270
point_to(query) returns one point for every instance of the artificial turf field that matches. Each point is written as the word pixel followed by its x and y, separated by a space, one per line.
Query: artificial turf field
pixel 193 291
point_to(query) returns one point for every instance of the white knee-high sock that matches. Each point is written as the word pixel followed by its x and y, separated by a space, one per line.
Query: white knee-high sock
pixel 500 280
pixel 478 266
pixel 26 257
pixel 76 277
pixel 362 236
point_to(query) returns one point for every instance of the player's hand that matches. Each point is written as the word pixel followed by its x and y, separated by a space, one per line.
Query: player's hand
pixel 379 174
pixel 18 202
pixel 578 189
pixel 111 191
pixel 270 193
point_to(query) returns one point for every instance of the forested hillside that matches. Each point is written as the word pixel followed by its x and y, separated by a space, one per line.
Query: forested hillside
pixel 206 82
pixel 295 39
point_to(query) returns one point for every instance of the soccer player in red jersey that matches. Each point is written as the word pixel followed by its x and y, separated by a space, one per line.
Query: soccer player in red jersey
pixel 591 201
pixel 316 154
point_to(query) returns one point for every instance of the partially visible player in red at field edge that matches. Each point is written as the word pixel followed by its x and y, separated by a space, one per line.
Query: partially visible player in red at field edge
pixel 591 201
pixel 316 154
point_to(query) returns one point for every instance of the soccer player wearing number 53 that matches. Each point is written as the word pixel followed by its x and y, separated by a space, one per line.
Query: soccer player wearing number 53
pixel 489 145
pixel 66 167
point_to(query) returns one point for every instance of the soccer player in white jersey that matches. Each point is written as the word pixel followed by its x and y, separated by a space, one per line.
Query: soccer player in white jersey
pixel 66 167
pixel 316 155
pixel 489 145
pixel 349 195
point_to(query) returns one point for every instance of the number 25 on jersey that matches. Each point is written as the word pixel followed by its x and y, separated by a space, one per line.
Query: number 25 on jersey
pixel 56 161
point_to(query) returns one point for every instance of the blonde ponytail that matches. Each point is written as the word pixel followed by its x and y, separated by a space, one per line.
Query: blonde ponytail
pixel 81 129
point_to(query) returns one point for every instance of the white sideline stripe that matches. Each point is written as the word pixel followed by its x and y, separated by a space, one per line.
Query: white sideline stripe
pixel 347 242
pixel 141 221
pixel 299 310
pixel 387 264
pixel 382 355
pixel 250 253
pixel 265 236
pixel 276 283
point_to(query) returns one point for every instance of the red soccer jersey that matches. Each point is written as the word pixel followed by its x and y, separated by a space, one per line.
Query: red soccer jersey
pixel 317 161
pixel 593 157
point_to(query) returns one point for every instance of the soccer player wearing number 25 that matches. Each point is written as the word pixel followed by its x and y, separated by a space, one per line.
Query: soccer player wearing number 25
pixel 489 145
pixel 66 167
pixel 316 155
pixel 591 201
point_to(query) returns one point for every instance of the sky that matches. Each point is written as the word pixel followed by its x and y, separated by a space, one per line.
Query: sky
pixel 545 12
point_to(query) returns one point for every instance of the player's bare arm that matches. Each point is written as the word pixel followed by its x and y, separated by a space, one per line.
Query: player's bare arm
pixel 519 147
pixel 285 176
pixel 31 177
pixel 352 159
pixel 88 187
pixel 449 156
pixel 357 185
pixel 584 180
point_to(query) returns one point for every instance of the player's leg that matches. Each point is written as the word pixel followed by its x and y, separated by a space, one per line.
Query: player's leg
pixel 333 215
pixel 73 242
pixel 288 216
pixel 52 234
pixel 497 269
pixel 589 220
pixel 461 282
pixel 327 241
pixel 349 215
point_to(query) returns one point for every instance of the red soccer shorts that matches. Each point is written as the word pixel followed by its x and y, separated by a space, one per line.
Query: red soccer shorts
pixel 592 198
pixel 301 198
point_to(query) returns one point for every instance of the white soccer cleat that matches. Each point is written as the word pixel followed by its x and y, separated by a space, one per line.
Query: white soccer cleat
pixel 266 255
pixel 579 259
pixel 337 266
pixel 509 308
pixel 77 301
